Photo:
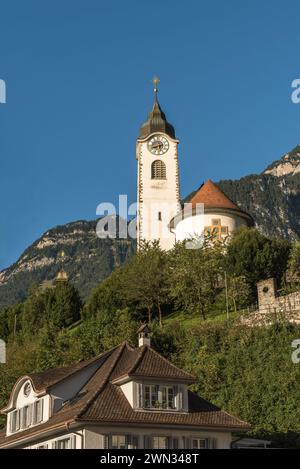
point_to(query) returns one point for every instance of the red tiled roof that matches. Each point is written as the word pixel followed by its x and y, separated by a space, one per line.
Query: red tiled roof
pixel 212 196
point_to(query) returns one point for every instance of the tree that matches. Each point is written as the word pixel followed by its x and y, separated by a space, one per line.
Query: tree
pixel 254 256
pixel 63 305
pixel 104 331
pixel 34 311
pixel 239 292
pixel 193 276
pixel 146 279
pixel 294 262
pixel 109 295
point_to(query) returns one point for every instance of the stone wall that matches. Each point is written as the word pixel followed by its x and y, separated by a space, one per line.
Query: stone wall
pixel 272 305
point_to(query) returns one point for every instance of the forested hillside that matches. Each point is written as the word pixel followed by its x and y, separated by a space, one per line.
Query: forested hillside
pixel 248 371
pixel 87 261
pixel 272 198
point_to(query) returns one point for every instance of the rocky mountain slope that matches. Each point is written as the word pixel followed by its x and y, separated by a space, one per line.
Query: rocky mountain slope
pixel 272 198
pixel 88 260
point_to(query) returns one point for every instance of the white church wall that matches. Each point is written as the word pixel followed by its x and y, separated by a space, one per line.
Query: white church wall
pixel 158 199
pixel 195 225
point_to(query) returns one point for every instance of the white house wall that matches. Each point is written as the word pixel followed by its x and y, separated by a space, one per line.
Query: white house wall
pixel 76 438
pixel 68 388
pixel 20 401
pixel 94 436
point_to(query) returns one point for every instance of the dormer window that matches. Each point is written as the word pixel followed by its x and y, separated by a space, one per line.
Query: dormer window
pixel 160 397
pixel 27 416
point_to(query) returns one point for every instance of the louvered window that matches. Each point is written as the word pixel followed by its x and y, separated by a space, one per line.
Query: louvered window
pixel 29 415
pixel 158 170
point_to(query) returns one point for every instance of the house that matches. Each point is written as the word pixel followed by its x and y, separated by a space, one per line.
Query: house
pixel 125 398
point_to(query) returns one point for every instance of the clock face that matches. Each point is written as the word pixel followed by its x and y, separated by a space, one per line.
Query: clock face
pixel 158 145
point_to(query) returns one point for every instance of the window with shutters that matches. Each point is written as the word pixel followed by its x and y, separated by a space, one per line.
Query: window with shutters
pixel 154 396
pixel 124 442
pixel 158 170
pixel 15 421
pixel 160 442
pixel 37 412
pixel 199 443
pixel 27 416
pixel 63 443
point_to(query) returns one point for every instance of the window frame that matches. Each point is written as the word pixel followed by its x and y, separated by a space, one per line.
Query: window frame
pixel 34 416
pixel 199 440
pixel 71 439
pixel 158 170
pixel 131 441
pixel 162 393
pixel 167 439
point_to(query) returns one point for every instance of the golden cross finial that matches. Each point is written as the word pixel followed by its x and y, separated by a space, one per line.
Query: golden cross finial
pixel 155 81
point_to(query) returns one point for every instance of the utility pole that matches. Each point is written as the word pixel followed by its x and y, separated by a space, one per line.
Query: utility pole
pixel 15 327
pixel 226 293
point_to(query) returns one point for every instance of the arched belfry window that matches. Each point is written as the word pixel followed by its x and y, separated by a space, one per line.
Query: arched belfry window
pixel 158 170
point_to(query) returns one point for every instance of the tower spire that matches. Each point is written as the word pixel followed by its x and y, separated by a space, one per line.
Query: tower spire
pixel 155 81
pixel 157 121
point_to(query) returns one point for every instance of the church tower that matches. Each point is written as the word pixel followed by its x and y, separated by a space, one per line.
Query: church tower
pixel 158 179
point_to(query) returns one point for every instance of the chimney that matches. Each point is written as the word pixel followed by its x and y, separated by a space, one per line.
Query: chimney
pixel 144 336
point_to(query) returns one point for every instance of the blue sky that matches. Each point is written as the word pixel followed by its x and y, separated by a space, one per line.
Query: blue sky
pixel 78 77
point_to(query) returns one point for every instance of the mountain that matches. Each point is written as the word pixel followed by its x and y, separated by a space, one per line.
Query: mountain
pixel 88 260
pixel 272 198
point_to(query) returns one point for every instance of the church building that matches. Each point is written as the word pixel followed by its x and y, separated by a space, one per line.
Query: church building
pixel 160 215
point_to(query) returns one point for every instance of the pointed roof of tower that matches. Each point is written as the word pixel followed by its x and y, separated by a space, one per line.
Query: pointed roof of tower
pixel 211 195
pixel 157 121
pixel 62 276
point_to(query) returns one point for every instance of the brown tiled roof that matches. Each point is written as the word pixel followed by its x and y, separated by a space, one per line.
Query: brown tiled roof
pixel 212 196
pixel 46 379
pixel 152 364
pixel 101 401
pixel 145 362
pixel 111 406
